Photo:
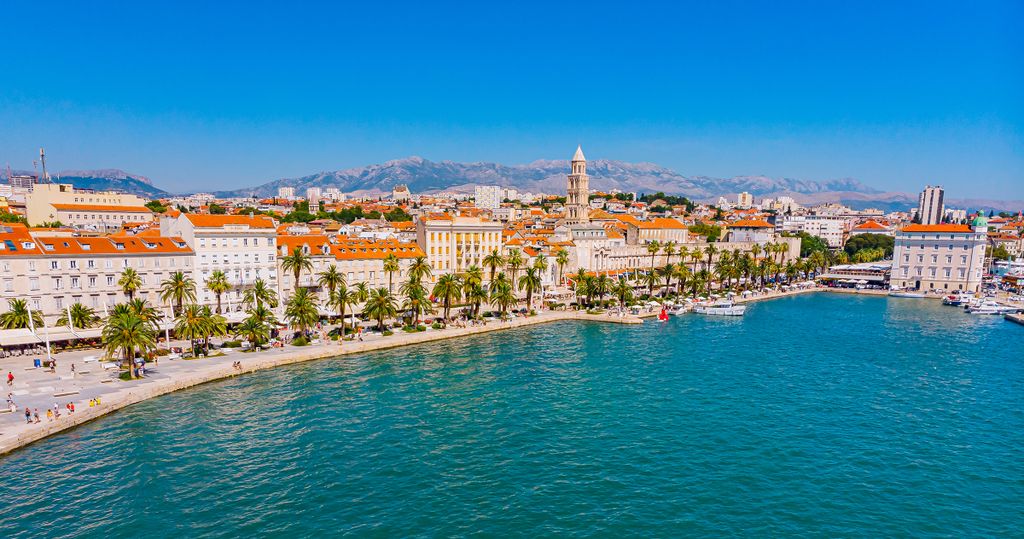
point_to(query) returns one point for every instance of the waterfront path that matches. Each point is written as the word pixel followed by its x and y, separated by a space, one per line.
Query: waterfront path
pixel 41 389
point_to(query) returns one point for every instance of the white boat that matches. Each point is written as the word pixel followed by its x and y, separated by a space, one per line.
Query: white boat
pixel 722 307
pixel 991 307
pixel 956 299
pixel 897 293
pixel 682 308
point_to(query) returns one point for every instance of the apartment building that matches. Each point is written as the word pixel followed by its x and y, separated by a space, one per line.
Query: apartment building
pixel 359 260
pixel 453 243
pixel 244 247
pixel 940 257
pixel 93 210
pixel 831 228
pixel 53 272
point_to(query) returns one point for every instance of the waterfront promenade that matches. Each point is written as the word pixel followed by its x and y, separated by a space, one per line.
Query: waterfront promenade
pixel 41 389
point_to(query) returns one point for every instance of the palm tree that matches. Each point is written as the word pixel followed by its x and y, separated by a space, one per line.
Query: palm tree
pixel 296 263
pixel 17 315
pixel 683 253
pixel 448 289
pixel 81 317
pixel 474 276
pixel 667 272
pixel 130 282
pixel 695 257
pixel 331 279
pixel 192 324
pixel 623 290
pixel 380 305
pixel 416 299
pixel 514 262
pixel 301 310
pixel 494 261
pixel 602 286
pixel 391 266
pixel 177 289
pixel 340 299
pixel 126 333
pixel 419 269
pixel 652 249
pixel 651 279
pixel 363 291
pixel 263 314
pixel 561 258
pixel 669 249
pixel 253 330
pixel 710 251
pixel 541 262
pixel 502 294
pixel 682 274
pixel 476 294
pixel 531 283
pixel 260 294
pixel 141 308
pixel 218 284
pixel 579 279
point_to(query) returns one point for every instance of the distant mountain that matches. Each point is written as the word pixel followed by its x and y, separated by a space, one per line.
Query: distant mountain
pixel 424 176
pixel 109 179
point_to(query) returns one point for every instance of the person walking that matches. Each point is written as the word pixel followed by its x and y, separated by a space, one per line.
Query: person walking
pixel 28 415
pixel 10 379
pixel 36 416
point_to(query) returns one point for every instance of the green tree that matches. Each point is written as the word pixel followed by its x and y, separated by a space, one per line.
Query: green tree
pixel 381 304
pixel 561 258
pixel 260 293
pixel 218 283
pixel 301 310
pixel 514 261
pixel 493 261
pixel 448 289
pixel 125 334
pixel 177 289
pixel 81 317
pixel 17 316
pixel 331 279
pixel 530 283
pixel 391 267
pixel 130 282
pixel 419 269
pixel 502 294
pixel 253 330
pixel 297 262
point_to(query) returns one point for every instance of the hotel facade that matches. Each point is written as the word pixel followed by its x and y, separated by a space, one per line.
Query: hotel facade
pixel 940 258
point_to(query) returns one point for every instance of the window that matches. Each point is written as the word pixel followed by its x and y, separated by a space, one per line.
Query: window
pixel 73 264
pixel 60 302
pixel 75 283
pixel 90 264
pixel 33 283
pixel 54 264
pixel 110 280
pixel 92 282
pixel 58 283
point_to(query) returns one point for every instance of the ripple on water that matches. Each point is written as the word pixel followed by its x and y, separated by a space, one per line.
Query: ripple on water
pixel 817 415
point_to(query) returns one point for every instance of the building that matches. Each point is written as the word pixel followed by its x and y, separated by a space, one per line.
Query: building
pixel 242 246
pixel 401 193
pixel 753 231
pixel 452 244
pixel 94 210
pixel 334 194
pixel 359 260
pixel 577 199
pixel 287 193
pixel 745 200
pixel 313 198
pixel 871 227
pixel 54 272
pixel 930 208
pixel 21 181
pixel 487 197
pixel 940 257
pixel 659 229
pixel 831 228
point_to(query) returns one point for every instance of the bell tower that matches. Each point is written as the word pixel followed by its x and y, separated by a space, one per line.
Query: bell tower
pixel 577 195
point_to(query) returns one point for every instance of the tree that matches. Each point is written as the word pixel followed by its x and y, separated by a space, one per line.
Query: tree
pixel 177 289
pixel 124 334
pixel 260 293
pixel 342 298
pixel 514 262
pixel 297 262
pixel 81 317
pixel 253 330
pixel 530 282
pixel 17 315
pixel 156 206
pixel 669 248
pixel 331 279
pixel 493 261
pixel 419 269
pixel 502 294
pixel 808 243
pixel 651 279
pixel 192 324
pixel 710 251
pixel 623 290
pixel 476 294
pixel 682 275
pixel 301 310
pixel 561 258
pixel 380 305
pixel 448 289
pixel 602 285
pixel 130 282
pixel 667 272
pixel 999 252
pixel 218 283
pixel 217 209
pixel 391 267
pixel 652 249
pixel 416 299
pixel 711 232
pixel 541 263
pixel 867 241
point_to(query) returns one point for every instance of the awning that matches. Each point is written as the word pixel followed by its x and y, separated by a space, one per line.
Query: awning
pixel 18 337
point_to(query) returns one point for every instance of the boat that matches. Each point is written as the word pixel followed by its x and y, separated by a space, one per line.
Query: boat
pixel 722 307
pixel 991 307
pixel 956 299
pixel 682 308
pixel 908 293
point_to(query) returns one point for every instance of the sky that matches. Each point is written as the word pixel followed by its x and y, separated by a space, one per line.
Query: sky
pixel 217 95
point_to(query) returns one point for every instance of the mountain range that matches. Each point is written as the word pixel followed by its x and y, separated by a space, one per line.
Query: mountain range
pixel 547 176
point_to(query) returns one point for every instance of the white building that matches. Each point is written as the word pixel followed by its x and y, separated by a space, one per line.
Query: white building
pixel 487 197
pixel 95 210
pixel 286 193
pixel 452 244
pixel 940 257
pixel 242 246
pixel 745 200
pixel 831 228
pixel 930 207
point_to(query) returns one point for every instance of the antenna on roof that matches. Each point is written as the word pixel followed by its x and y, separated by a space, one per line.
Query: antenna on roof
pixel 42 160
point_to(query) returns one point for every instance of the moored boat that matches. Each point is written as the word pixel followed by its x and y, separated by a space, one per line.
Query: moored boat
pixel 991 307
pixel 721 308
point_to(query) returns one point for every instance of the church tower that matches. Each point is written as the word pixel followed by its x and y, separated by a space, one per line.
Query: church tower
pixel 577 199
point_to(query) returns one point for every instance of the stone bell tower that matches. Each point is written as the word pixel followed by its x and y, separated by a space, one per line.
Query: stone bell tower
pixel 577 199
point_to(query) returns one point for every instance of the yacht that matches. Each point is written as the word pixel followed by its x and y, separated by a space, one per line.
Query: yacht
pixel 991 307
pixel 679 309
pixel 956 299
pixel 908 293
pixel 722 307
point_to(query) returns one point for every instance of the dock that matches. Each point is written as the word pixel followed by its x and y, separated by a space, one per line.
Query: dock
pixel 1018 318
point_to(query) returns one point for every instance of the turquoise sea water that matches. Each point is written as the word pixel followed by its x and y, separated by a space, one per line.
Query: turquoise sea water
pixel 820 415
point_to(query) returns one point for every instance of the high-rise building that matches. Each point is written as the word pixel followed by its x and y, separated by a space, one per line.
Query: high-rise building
pixel 487 197
pixel 577 200
pixel 744 200
pixel 929 205
pixel 286 192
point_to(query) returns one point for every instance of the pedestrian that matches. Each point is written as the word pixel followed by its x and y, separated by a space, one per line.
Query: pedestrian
pixel 49 414
pixel 56 410
pixel 36 415
pixel 71 406
pixel 28 415
pixel 10 378
pixel 72 369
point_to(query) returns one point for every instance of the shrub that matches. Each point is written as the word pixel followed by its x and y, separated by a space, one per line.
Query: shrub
pixel 408 329
pixel 162 352
pixel 595 311
pixel 388 333
pixel 421 327
pixel 300 341
pixel 533 312
pixel 436 325
pixel 231 344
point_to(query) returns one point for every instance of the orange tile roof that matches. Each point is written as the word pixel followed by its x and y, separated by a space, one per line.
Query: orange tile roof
pixel 313 241
pixel 869 225
pixel 370 249
pixel 101 207
pixel 751 223
pixel 626 218
pixel 13 243
pixel 202 220
pixel 660 222
pixel 112 245
pixel 938 228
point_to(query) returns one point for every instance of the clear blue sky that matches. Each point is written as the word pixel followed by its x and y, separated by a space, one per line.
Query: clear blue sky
pixel 198 97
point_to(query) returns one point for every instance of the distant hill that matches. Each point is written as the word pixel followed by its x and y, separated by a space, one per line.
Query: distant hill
pixel 109 179
pixel 424 176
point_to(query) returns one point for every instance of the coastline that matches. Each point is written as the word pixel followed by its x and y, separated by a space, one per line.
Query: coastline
pixel 207 370
pixel 19 435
